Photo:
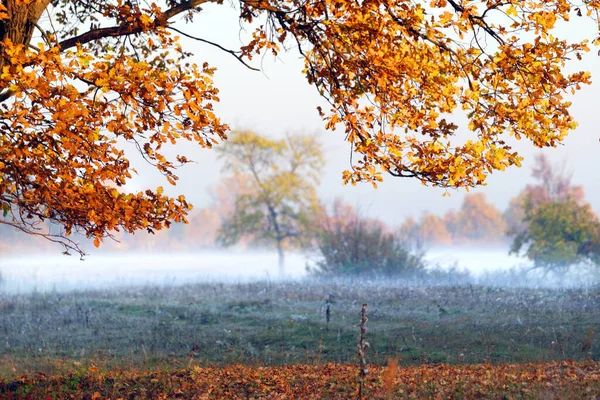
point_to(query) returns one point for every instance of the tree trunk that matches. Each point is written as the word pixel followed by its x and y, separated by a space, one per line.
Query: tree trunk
pixel 281 258
pixel 21 22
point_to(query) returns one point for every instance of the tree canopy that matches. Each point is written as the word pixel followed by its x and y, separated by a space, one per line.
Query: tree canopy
pixel 103 73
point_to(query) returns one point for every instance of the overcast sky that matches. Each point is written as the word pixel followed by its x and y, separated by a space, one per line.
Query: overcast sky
pixel 279 100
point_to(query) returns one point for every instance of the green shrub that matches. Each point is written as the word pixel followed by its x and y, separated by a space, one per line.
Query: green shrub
pixel 350 245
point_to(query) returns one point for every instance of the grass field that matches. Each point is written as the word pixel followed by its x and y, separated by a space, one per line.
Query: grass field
pixel 276 324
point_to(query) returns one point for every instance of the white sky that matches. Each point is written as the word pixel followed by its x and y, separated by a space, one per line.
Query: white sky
pixel 280 100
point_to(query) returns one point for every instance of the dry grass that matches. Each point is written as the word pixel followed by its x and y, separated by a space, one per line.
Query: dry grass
pixel 154 328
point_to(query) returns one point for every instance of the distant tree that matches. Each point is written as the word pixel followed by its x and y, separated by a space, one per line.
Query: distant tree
pixel 281 203
pixel 432 230
pixel 514 215
pixel 558 234
pixel 409 230
pixel 224 194
pixel 353 245
pixel 552 183
pixel 478 221
pixel 450 220
pixel 551 221
pixel 202 229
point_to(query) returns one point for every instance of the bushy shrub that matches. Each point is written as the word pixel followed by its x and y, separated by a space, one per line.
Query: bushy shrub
pixel 351 245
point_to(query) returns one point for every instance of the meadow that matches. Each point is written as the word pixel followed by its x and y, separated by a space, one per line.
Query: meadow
pixel 285 323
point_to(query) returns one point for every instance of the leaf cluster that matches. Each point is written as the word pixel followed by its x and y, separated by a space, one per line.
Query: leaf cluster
pixel 70 105
pixel 394 72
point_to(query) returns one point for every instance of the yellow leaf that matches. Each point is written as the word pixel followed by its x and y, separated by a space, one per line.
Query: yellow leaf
pixel 512 11
pixel 145 20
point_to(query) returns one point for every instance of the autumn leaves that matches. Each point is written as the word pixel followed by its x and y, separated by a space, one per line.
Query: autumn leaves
pixel 395 72
pixel 68 118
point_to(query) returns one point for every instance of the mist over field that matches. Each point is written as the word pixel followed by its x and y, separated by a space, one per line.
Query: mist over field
pixel 49 272
pixel 24 274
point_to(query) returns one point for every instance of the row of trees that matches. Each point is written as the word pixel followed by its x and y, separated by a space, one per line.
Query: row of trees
pixel 268 197
pixel 477 221
pixel 549 220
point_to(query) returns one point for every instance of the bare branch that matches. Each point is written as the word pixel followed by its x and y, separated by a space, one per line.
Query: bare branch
pixel 68 244
pixel 233 53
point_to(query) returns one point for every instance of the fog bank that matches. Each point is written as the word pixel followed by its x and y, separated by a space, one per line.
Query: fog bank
pixel 24 274
pixel 477 260
pixel 48 272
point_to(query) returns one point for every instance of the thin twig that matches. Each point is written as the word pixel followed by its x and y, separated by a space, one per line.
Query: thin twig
pixel 362 347
pixel 233 53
